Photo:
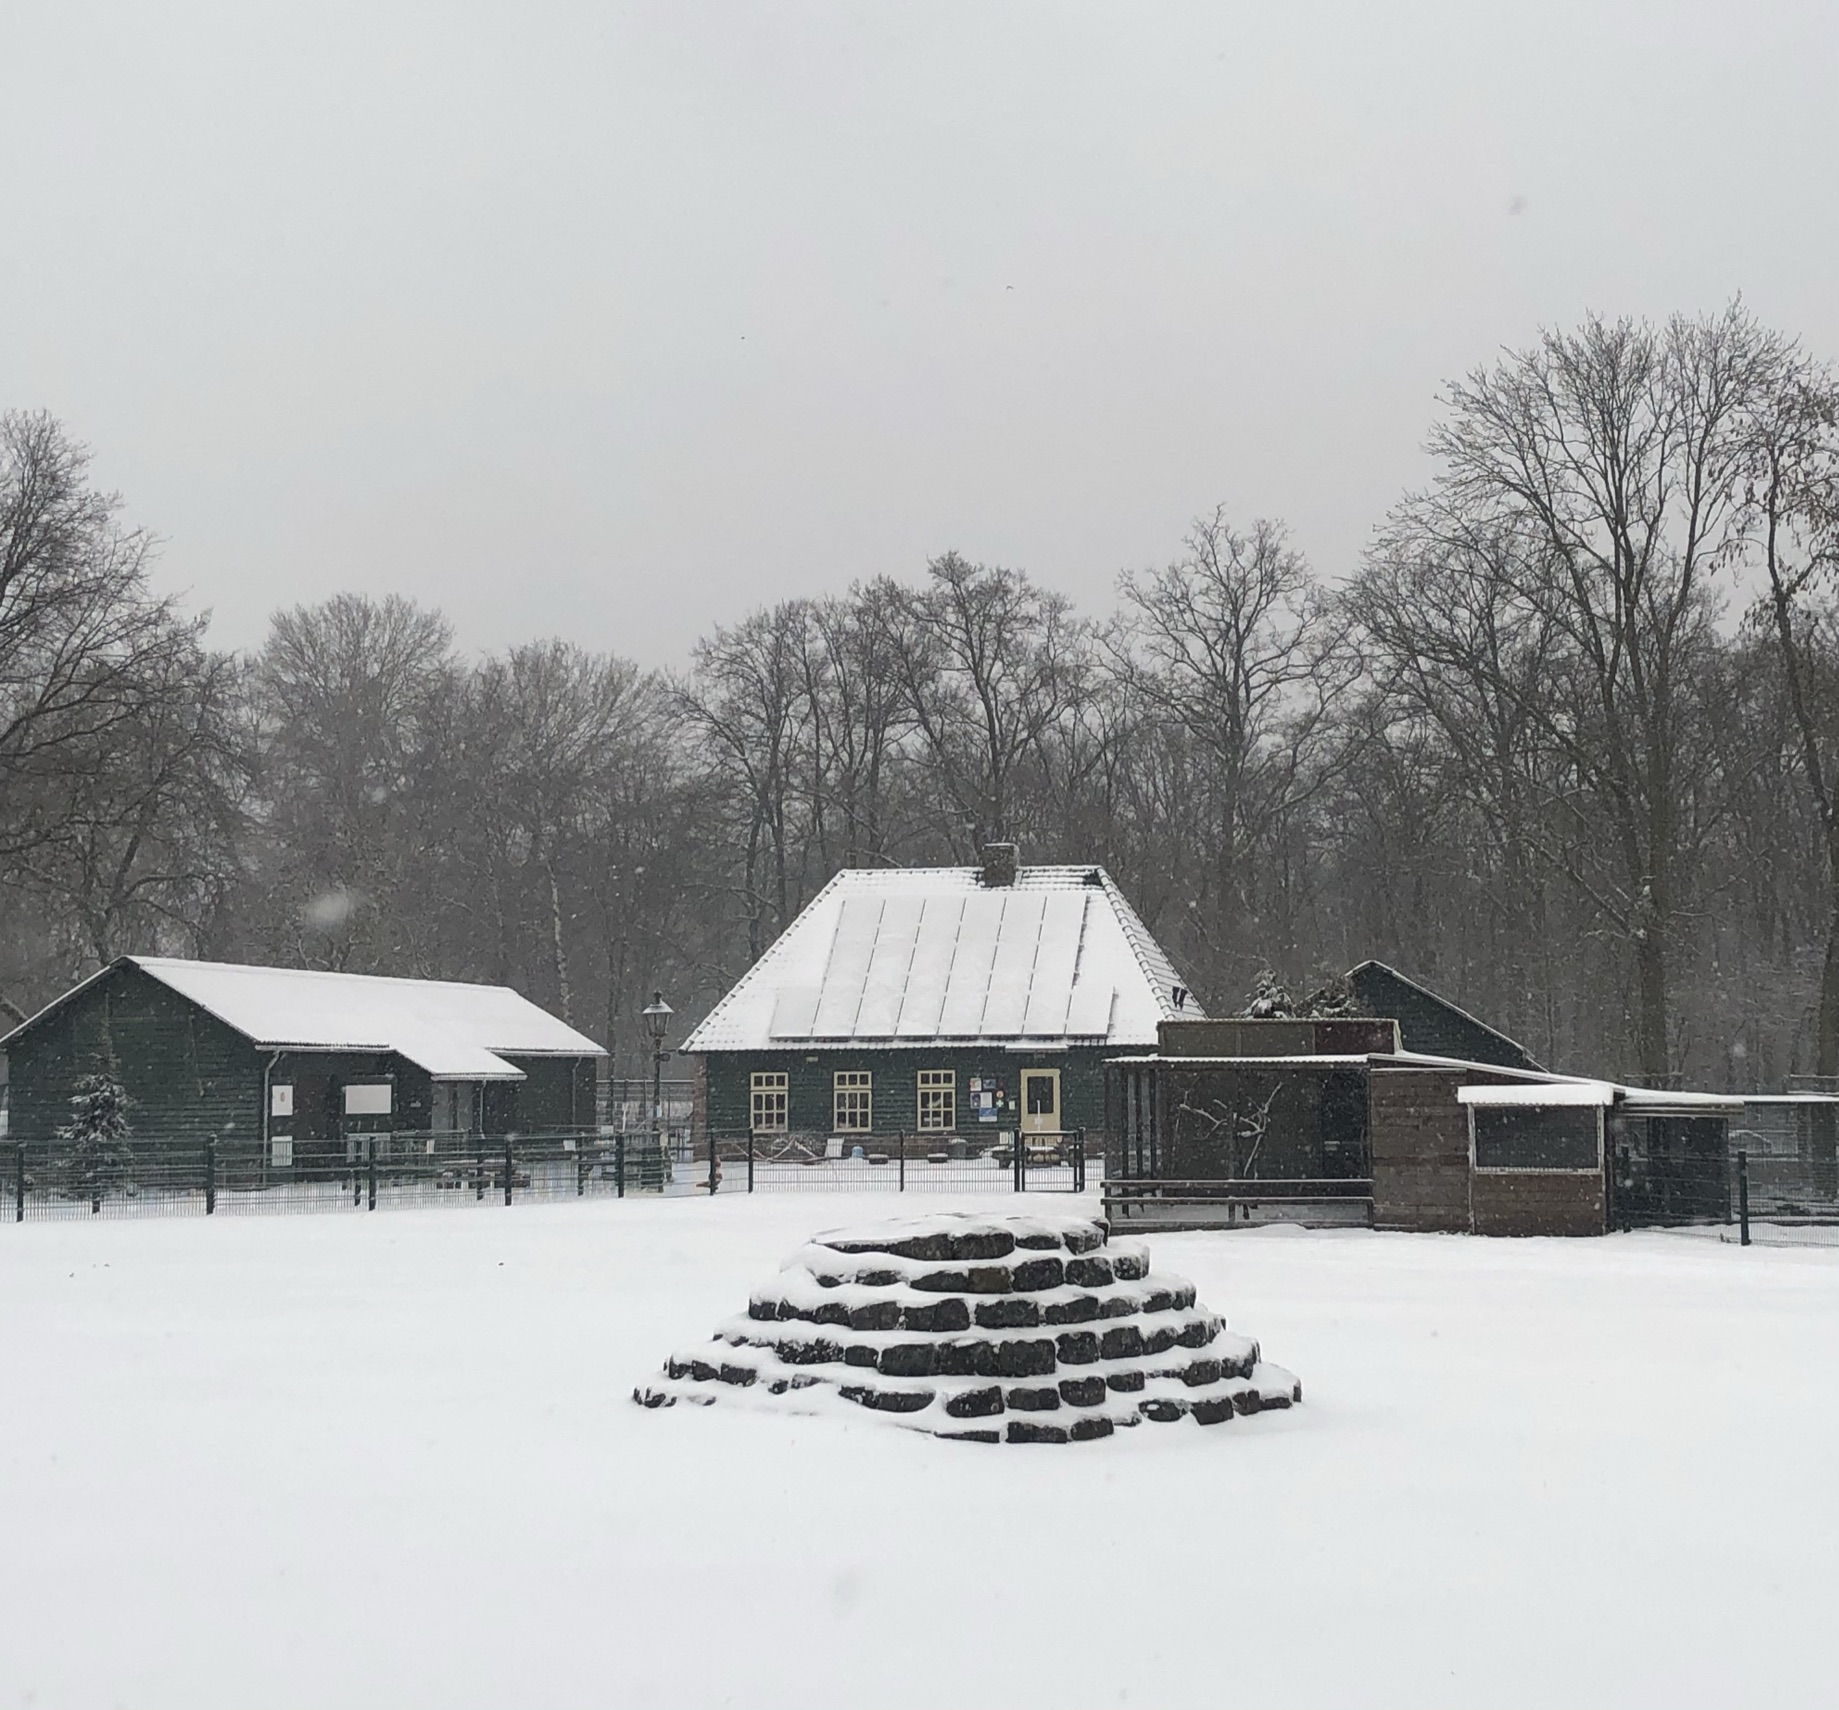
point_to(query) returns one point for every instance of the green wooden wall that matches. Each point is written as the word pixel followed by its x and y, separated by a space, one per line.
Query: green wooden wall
pixel 809 1085
pixel 191 1078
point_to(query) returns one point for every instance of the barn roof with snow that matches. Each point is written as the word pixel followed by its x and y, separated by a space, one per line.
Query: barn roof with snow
pixel 451 1030
pixel 1035 957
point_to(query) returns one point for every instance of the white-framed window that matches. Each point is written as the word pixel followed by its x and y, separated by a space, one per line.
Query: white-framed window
pixel 937 1102
pixel 854 1096
pixel 768 1093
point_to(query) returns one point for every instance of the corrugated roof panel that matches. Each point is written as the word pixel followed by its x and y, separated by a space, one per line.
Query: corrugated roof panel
pixel 846 973
pixel 885 984
pixel 967 988
pixel 930 974
pixel 1012 973
pixel 1062 926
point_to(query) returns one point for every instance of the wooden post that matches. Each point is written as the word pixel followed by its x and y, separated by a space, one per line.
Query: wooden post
pixel 1018 1160
pixel 19 1182
pixel 510 1162
pixel 903 1163
pixel 210 1176
pixel 370 1172
pixel 1743 1197
pixel 750 1158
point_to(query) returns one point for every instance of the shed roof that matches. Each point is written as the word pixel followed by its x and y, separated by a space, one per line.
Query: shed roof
pixel 909 957
pixel 455 1032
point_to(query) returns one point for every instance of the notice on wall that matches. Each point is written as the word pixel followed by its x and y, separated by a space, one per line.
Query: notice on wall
pixel 371 1100
pixel 281 1099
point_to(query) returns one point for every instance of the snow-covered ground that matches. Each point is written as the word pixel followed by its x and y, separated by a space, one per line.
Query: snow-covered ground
pixel 391 1460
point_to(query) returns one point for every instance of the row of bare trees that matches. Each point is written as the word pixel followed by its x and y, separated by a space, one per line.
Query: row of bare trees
pixel 1566 744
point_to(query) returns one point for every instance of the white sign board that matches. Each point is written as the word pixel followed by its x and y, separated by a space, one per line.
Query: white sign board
pixel 281 1099
pixel 368 1100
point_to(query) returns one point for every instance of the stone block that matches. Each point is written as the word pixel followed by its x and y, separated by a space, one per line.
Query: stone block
pixel 1028 1431
pixel 941 1282
pixel 1121 1342
pixel 1086 1237
pixel 972 1436
pixel 1164 1410
pixel 740 1376
pixel 991 1279
pixel 1199 1332
pixel 973 1357
pixel 1156 1298
pixel 876 1315
pixel 1024 1358
pixel 1129 1261
pixel 1117 1306
pixel 1212 1410
pixel 886 1400
pixel 908 1359
pixel 1159 1338
pixel 1024 1398
pixel 858 1354
pixel 1008 1312
pixel 1034 1274
pixel 1082 1391
pixel 1084 1430
pixel 951 1313
pixel 975 1403
pixel 1124 1383
pixel 1092 1271
pixel 1201 1371
pixel 1076 1347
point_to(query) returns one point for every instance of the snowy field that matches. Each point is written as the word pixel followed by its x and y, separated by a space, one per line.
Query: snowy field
pixel 391 1461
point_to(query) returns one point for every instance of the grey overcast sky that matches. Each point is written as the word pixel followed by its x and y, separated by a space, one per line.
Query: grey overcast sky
pixel 615 321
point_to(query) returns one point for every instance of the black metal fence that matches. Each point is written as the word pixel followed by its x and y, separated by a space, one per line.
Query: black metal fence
pixel 460 1168
pixel 1053 1162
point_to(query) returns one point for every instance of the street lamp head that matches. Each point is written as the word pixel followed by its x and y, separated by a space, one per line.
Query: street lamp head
pixel 657 1015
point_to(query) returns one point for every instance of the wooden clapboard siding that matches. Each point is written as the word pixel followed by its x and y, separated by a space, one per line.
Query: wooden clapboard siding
pixel 1523 1202
pixel 1419 1136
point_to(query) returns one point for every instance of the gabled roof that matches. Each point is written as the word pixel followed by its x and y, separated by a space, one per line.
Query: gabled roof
pixel 1429 1022
pixel 919 956
pixel 453 1031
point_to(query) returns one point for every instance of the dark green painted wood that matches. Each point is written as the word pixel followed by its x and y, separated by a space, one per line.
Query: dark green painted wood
pixel 810 1083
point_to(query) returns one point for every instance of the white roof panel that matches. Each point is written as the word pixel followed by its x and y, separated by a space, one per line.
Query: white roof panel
pixel 907 957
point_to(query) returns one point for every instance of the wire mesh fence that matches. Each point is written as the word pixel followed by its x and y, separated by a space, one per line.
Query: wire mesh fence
pixel 466 1168
pixel 1771 1199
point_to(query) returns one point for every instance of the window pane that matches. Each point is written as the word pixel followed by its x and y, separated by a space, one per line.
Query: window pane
pixel 1526 1138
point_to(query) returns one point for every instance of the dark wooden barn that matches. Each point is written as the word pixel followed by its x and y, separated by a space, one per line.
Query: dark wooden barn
pixel 288 1067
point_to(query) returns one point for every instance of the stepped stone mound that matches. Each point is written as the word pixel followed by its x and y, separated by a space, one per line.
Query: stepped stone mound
pixel 994 1329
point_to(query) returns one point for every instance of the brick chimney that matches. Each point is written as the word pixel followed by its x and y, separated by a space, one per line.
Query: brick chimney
pixel 999 863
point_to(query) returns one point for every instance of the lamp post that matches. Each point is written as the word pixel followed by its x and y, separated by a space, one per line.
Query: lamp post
pixel 657 1017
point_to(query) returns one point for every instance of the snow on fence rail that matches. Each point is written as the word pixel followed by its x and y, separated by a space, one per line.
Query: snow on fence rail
pixel 367 1172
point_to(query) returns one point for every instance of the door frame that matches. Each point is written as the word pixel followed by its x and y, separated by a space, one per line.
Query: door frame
pixel 1031 1124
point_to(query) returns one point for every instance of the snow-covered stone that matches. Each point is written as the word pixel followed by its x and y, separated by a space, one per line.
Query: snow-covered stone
pixel 986 1328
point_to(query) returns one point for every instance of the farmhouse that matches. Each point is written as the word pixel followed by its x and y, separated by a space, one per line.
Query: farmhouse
pixel 958 1004
pixel 295 1067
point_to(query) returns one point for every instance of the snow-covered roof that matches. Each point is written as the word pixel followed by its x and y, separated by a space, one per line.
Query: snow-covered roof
pixel 918 956
pixel 1540 1096
pixel 455 1032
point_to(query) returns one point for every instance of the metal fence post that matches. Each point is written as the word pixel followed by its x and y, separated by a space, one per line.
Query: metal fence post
pixel 478 1163
pixel 580 1167
pixel 19 1182
pixel 619 1165
pixel 750 1160
pixel 210 1176
pixel 903 1163
pixel 1079 1160
pixel 510 1163
pixel 1019 1161
pixel 1743 1197
pixel 370 1173
pixel 715 1169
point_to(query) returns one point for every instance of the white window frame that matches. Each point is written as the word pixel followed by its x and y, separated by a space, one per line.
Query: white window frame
pixel 769 1085
pixel 937 1088
pixel 1482 1169
pixel 852 1090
